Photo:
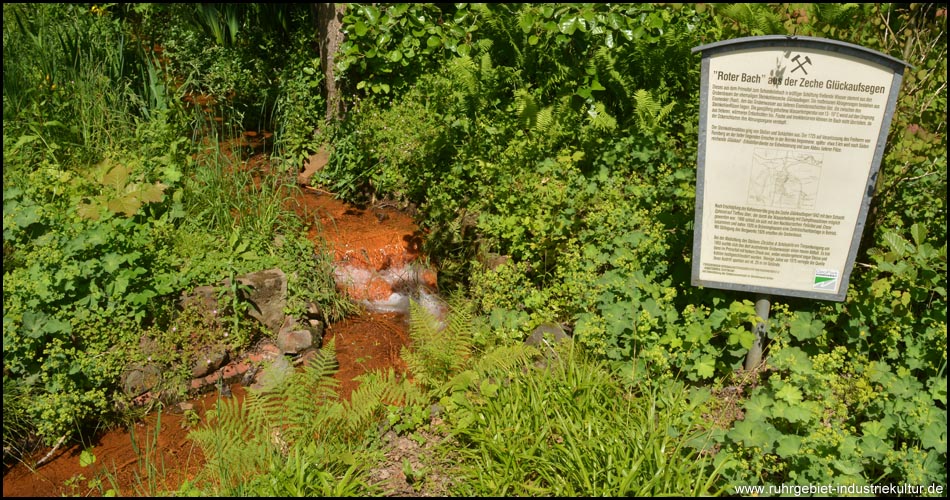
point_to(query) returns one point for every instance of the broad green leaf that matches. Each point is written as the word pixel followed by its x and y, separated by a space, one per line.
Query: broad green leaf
pixel 126 205
pixel 754 434
pixel 706 367
pixel 153 193
pixel 848 467
pixel 788 445
pixel 938 389
pixel 790 394
pixel 897 244
pixel 757 407
pixel 117 177
pixel 873 447
pixel 874 428
pixel 935 436
pixel 803 327
pixel 111 262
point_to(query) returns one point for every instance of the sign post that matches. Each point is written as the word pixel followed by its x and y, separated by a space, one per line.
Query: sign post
pixel 791 135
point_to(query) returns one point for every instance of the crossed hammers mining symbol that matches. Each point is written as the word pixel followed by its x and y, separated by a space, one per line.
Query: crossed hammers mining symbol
pixel 801 65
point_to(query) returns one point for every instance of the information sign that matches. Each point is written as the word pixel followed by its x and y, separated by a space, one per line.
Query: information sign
pixel 791 134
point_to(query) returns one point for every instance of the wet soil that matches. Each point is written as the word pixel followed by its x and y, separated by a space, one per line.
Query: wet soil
pixel 377 235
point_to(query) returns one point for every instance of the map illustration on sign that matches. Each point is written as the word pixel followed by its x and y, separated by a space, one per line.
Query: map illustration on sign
pixel 784 179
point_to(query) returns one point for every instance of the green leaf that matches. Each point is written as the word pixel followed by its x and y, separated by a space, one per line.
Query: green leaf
pixel 848 467
pixel 898 245
pixel 86 458
pixel 153 193
pixel 117 178
pixel 111 262
pixel 874 447
pixel 706 367
pixel 788 445
pixel 803 327
pixel 569 25
pixel 793 413
pixel 752 434
pixel 919 232
pixel 24 140
pixel 935 436
pixel 790 394
pixel 938 389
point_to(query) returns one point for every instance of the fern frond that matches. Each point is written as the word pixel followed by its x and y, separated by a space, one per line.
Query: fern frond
pixel 650 111
pixel 505 359
pixel 544 119
pixel 465 71
pixel 365 402
pixel 526 107
pixel 600 119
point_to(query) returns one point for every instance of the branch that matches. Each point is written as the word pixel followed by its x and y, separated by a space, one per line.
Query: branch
pixel 51 452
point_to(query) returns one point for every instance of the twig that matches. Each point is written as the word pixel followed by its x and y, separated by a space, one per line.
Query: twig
pixel 51 452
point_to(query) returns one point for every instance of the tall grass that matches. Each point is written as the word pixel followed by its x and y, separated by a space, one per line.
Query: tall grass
pixel 68 78
pixel 572 430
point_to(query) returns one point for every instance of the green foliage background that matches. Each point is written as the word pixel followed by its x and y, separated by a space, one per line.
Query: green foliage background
pixel 550 150
pixel 563 137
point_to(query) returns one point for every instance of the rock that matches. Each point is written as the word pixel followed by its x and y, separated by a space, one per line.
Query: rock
pixel 545 336
pixel 140 379
pixel 209 361
pixel 268 296
pixel 294 341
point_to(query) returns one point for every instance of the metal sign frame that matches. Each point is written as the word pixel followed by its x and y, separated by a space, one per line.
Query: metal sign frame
pixel 780 43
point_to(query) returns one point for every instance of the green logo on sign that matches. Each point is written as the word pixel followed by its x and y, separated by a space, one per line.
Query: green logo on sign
pixel 826 279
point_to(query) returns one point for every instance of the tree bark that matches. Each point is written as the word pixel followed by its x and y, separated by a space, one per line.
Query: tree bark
pixel 329 18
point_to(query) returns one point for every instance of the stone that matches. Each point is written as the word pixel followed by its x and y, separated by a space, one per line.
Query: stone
pixel 268 296
pixel 545 336
pixel 294 341
pixel 209 361
pixel 140 379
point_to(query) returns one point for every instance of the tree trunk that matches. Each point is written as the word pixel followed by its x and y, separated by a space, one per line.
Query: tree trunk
pixel 329 18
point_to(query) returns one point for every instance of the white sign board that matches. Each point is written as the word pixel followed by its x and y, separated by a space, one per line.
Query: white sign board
pixel 791 136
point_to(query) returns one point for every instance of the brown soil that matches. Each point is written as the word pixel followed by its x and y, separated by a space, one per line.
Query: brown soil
pixel 363 343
